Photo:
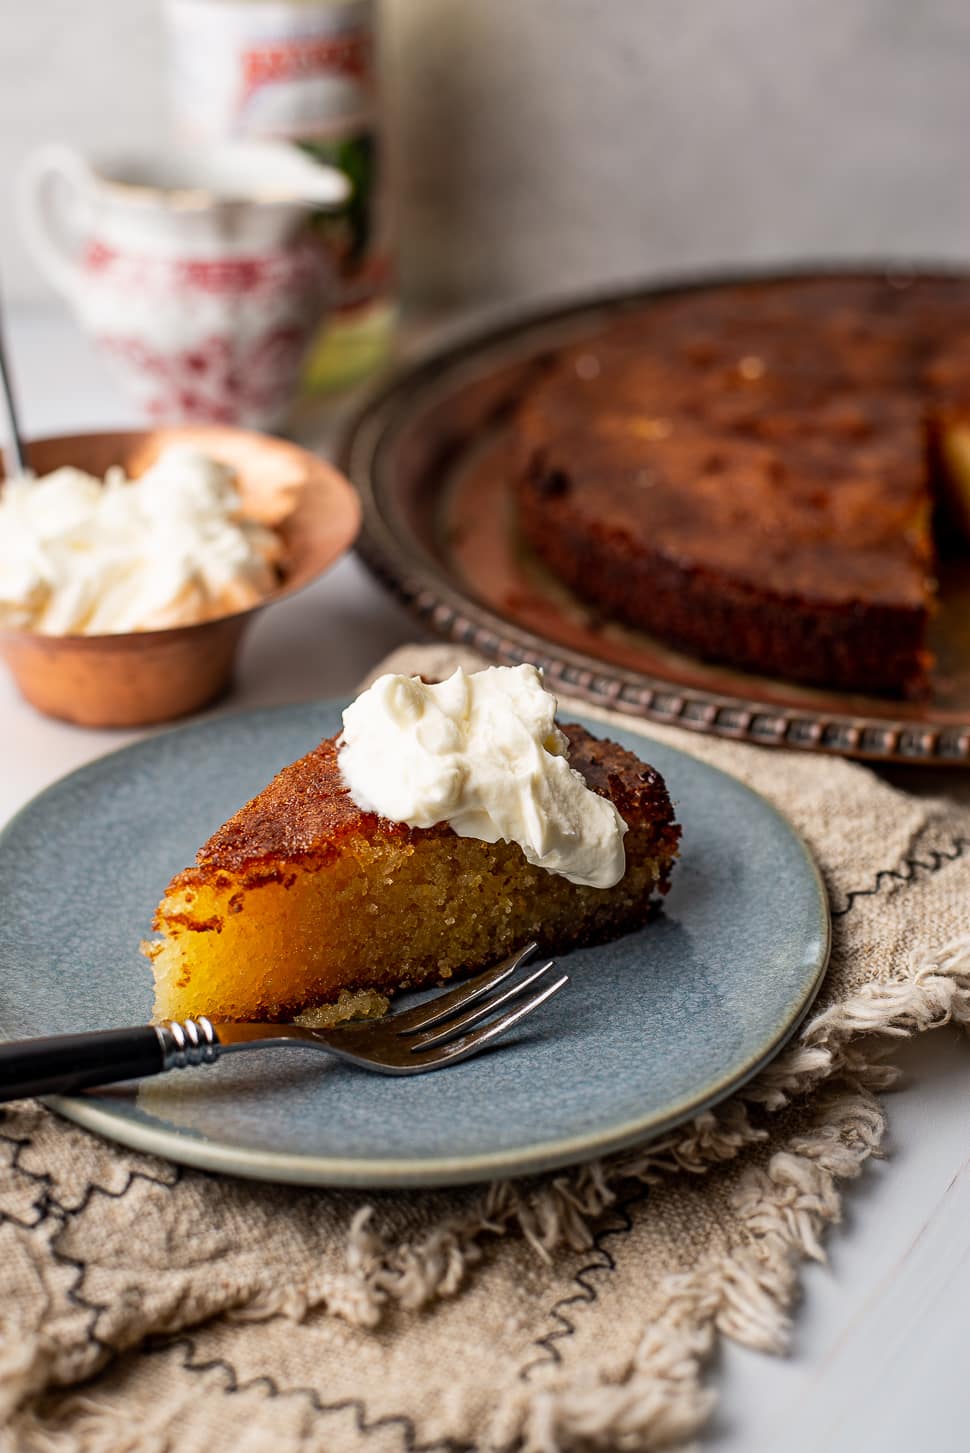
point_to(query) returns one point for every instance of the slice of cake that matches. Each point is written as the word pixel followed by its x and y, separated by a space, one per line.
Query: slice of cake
pixel 952 439
pixel 309 899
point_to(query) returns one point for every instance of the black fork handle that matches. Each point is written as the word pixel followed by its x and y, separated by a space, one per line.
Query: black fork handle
pixel 65 1062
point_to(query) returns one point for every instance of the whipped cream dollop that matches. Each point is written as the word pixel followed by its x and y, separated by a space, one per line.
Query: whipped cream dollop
pixel 482 753
pixel 79 556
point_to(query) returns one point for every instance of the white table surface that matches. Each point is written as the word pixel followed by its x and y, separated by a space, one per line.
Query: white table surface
pixel 879 1355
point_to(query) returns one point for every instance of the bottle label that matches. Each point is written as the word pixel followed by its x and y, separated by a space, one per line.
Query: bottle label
pixel 343 62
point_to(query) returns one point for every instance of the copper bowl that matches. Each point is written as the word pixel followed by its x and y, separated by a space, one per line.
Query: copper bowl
pixel 153 676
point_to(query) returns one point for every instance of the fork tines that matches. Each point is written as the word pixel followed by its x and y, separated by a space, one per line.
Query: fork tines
pixel 442 1023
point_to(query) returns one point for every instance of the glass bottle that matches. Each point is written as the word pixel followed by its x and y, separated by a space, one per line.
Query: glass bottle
pixel 304 71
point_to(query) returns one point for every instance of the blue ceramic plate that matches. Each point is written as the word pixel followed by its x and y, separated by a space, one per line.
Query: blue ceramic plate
pixel 651 1029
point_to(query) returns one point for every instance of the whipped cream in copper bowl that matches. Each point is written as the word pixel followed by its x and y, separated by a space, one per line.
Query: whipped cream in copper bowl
pixel 82 556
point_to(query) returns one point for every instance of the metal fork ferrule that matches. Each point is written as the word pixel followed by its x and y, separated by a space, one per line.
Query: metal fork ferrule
pixel 189 1043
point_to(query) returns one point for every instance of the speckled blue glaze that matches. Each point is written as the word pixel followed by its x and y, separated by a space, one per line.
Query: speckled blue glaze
pixel 650 1030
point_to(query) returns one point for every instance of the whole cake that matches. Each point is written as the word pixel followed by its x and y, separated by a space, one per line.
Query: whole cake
pixel 307 900
pixel 753 472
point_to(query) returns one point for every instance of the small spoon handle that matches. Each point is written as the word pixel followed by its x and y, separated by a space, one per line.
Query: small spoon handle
pixel 14 438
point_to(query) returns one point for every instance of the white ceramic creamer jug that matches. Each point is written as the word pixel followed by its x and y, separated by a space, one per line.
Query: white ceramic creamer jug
pixel 192 271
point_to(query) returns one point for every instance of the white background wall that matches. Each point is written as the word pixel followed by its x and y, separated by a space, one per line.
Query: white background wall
pixel 543 144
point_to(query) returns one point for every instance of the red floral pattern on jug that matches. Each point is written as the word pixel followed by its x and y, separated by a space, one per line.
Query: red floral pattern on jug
pixel 298 267
pixel 214 381
pixel 200 372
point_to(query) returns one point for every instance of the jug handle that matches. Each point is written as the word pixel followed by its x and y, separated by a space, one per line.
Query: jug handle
pixel 45 216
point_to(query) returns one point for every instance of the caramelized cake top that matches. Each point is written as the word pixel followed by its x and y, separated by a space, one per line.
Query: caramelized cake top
pixel 774 432
pixel 307 811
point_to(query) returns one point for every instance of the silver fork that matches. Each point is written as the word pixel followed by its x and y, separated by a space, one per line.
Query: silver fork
pixel 438 1032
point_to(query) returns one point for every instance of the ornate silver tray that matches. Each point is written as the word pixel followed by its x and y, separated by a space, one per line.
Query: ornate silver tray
pixel 431 453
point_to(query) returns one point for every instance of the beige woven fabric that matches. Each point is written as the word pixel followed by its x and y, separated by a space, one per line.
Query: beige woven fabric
pixel 149 1308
